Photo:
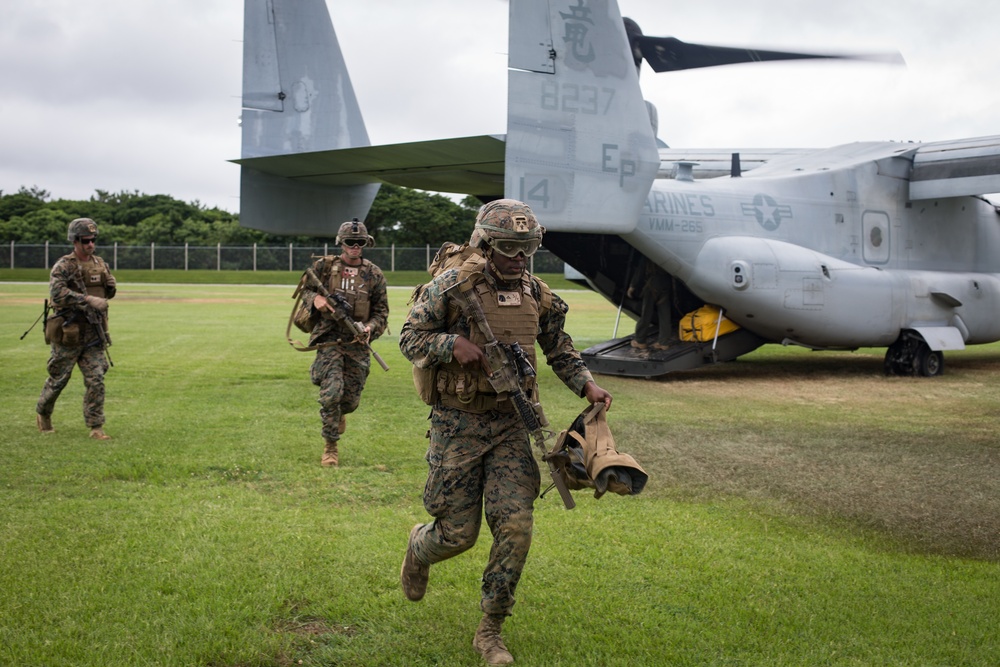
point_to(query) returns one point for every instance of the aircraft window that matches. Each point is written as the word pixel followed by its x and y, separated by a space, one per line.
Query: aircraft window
pixel 876 236
pixel 875 225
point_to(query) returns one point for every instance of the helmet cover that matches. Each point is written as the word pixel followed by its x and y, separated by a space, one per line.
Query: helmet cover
pixel 354 229
pixel 507 219
pixel 81 227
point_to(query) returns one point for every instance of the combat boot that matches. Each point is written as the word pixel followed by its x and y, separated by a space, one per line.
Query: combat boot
pixel 44 423
pixel 342 426
pixel 489 643
pixel 414 574
pixel 97 433
pixel 330 455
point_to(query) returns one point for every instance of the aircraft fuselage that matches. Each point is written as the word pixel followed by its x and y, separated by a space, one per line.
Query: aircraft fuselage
pixel 826 250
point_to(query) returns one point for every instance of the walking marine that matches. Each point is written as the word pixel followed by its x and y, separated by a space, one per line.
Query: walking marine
pixel 80 285
pixel 479 456
pixel 656 317
pixel 342 324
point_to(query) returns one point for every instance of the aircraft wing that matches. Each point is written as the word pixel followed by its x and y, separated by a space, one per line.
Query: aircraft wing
pixel 467 165
pixel 714 162
pixel 956 168
pixel 464 165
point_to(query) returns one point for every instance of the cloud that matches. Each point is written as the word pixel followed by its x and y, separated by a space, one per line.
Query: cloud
pixel 146 95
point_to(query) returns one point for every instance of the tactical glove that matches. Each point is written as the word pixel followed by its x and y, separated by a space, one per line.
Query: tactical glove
pixel 96 302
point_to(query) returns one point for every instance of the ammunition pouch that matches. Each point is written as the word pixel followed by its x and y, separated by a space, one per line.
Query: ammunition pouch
pixel 477 403
pixel 53 330
pixel 455 390
pixel 469 391
pixel 66 330
pixel 362 306
pixel 303 318
pixel 69 334
pixel 423 380
pixel 586 457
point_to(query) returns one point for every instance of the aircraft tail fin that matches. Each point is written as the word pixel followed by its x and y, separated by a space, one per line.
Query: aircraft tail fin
pixel 297 98
pixel 580 150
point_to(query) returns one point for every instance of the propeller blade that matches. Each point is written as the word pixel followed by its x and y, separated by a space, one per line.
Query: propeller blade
pixel 669 54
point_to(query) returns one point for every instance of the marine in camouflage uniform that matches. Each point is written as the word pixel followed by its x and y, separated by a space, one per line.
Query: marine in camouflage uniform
pixel 343 361
pixel 78 282
pixel 479 455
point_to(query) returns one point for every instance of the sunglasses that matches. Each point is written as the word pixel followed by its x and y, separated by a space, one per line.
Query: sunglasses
pixel 92 239
pixel 354 243
pixel 514 247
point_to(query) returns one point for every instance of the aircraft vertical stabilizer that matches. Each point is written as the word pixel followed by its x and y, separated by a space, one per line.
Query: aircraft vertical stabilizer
pixel 580 150
pixel 297 98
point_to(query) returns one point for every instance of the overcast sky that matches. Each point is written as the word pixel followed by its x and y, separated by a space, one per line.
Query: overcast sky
pixel 145 95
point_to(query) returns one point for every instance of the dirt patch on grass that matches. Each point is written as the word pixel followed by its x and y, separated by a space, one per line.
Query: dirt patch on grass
pixel 313 627
pixel 915 458
pixel 8 300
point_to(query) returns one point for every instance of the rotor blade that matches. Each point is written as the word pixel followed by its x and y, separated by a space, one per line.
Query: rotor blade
pixel 669 54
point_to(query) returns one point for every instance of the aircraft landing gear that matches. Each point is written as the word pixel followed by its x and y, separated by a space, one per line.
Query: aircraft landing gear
pixel 910 355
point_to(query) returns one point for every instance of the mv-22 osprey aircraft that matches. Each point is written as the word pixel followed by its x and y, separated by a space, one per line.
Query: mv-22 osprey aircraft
pixel 860 245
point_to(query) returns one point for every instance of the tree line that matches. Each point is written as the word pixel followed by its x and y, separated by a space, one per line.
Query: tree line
pixel 399 216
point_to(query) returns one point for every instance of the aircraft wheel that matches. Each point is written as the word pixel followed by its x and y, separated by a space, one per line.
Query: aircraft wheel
pixel 889 365
pixel 928 362
pixel 900 358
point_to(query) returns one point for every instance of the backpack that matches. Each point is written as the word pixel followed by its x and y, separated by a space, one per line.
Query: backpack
pixel 450 256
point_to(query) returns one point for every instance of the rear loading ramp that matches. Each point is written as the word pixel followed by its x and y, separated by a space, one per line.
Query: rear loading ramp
pixel 618 357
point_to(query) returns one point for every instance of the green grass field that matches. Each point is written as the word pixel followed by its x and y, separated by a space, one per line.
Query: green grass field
pixel 802 509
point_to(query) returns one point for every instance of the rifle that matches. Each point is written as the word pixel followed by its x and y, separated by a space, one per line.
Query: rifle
pixel 509 364
pixel 341 310
pixel 44 315
pixel 96 320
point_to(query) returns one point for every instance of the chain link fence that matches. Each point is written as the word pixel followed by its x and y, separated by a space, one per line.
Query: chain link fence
pixel 235 258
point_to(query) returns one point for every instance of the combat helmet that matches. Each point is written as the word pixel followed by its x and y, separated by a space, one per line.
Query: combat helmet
pixel 354 229
pixel 507 226
pixel 81 227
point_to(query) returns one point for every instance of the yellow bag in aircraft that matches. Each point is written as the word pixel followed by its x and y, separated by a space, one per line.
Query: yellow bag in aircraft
pixel 703 324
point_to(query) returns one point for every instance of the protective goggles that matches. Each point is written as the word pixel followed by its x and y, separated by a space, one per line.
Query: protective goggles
pixel 514 247
pixel 355 243
pixel 87 241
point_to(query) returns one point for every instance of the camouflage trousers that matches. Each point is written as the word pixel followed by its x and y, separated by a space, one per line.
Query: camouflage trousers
pixel 476 463
pixel 93 364
pixel 340 373
pixel 655 317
